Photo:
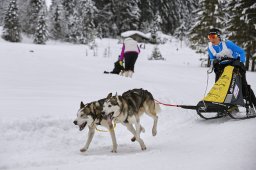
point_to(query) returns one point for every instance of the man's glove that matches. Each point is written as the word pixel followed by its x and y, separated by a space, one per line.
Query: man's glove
pixel 215 63
pixel 222 55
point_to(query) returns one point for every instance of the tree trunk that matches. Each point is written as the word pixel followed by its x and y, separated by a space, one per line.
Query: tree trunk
pixel 248 51
pixel 253 63
pixel 253 55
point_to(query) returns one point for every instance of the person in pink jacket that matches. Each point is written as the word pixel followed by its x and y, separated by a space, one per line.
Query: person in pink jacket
pixel 129 55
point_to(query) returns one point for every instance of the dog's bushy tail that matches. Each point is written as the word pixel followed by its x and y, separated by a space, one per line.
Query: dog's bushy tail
pixel 157 108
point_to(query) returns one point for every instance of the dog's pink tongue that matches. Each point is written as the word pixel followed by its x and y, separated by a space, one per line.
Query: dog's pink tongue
pixel 109 121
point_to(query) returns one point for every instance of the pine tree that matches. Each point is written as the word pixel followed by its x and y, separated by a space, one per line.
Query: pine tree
pixel 169 13
pixel 70 20
pixel 186 16
pixel 146 15
pixel 57 24
pixel 208 16
pixel 249 16
pixel 41 34
pixel 87 12
pixel 104 20
pixel 23 10
pixel 74 33
pixel 234 24
pixel 131 18
pixel 34 7
pixel 69 7
pixel 3 9
pixel 126 15
pixel 156 54
pixel 155 27
pixel 173 13
pixel 241 25
pixel 12 29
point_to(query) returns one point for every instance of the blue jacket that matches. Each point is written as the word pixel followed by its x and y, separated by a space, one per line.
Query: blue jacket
pixel 237 51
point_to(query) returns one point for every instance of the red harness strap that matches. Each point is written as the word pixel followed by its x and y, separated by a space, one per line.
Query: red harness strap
pixel 166 104
pixel 175 105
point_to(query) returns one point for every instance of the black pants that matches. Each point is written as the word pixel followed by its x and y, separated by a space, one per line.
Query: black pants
pixel 130 60
pixel 248 93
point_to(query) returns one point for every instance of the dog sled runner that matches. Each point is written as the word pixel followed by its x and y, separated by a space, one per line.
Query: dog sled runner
pixel 224 98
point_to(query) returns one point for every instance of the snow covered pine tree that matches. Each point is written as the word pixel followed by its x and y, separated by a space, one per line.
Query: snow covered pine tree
pixel 12 29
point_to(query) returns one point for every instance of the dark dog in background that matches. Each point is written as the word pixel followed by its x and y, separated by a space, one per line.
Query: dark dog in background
pixel 117 68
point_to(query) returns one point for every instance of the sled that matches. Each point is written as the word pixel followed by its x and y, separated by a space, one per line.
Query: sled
pixel 207 111
pixel 224 97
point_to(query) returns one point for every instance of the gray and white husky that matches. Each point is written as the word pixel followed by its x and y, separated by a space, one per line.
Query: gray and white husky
pixel 91 115
pixel 128 108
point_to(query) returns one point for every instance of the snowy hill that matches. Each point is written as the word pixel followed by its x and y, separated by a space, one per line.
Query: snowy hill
pixel 41 89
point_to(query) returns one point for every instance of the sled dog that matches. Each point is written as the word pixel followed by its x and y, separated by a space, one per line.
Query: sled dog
pixel 91 115
pixel 128 108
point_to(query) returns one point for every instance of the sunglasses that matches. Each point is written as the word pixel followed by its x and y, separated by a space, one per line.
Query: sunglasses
pixel 212 36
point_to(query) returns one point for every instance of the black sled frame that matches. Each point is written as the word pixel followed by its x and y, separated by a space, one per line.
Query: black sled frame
pixel 204 109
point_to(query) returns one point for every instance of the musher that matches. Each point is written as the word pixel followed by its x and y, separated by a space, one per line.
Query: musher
pixel 223 53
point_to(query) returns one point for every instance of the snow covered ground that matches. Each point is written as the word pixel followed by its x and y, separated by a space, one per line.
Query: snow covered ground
pixel 41 87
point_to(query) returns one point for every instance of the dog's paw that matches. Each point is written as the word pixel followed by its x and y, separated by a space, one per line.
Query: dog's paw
pixel 83 150
pixel 142 129
pixel 144 148
pixel 114 151
pixel 133 139
pixel 154 132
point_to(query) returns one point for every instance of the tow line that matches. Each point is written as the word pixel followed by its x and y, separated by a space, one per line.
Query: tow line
pixel 175 105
